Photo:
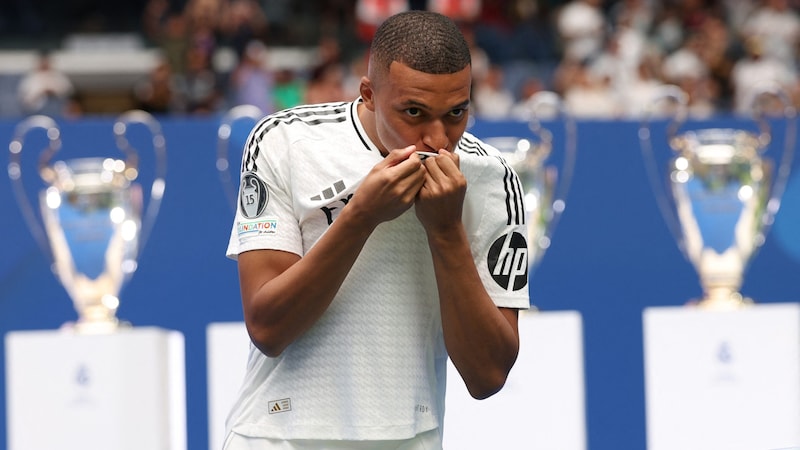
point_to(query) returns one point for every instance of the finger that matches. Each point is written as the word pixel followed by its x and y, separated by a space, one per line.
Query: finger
pixel 397 156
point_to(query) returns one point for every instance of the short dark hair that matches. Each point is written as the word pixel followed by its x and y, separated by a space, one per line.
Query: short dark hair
pixel 422 40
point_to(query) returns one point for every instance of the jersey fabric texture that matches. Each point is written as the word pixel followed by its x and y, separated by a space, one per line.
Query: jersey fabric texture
pixel 373 366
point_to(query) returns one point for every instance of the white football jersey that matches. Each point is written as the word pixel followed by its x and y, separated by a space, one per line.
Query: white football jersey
pixel 372 367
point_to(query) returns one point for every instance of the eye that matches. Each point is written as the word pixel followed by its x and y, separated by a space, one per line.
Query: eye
pixel 414 112
pixel 458 112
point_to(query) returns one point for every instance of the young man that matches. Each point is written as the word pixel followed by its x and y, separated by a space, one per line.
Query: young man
pixel 363 263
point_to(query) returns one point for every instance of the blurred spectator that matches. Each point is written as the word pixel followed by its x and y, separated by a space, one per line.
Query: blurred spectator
pixel 527 108
pixel 590 96
pixel 462 11
pixel 371 13
pixel 198 87
pixel 755 69
pixel 479 57
pixel 288 91
pixel 491 98
pixel 326 84
pixel 685 62
pixel 667 33
pixel 328 51
pixel 693 13
pixel 716 51
pixel 169 30
pixel 581 28
pixel 685 69
pixel 156 93
pixel 243 21
pixel 737 11
pixel 778 27
pixel 620 60
pixel 45 89
pixel 251 82
pixel 637 14
pixel 636 101
pixel 352 79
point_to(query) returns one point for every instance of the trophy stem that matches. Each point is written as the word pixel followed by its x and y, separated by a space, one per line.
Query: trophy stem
pixel 98 319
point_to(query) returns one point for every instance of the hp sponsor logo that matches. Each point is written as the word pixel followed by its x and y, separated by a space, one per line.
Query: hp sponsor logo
pixel 508 261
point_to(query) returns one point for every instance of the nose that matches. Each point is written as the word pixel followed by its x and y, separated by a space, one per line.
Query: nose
pixel 435 136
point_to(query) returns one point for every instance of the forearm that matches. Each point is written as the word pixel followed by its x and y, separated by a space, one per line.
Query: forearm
pixel 481 341
pixel 283 308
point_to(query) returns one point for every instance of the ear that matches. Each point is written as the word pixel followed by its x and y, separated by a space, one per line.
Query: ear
pixel 367 93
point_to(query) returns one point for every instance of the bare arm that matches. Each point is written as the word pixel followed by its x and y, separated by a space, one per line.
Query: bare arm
pixel 279 302
pixel 481 339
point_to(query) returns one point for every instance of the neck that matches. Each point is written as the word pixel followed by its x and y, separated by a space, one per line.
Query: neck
pixel 367 119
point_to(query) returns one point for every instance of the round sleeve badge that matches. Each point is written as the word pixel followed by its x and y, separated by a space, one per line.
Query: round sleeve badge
pixel 253 195
pixel 508 261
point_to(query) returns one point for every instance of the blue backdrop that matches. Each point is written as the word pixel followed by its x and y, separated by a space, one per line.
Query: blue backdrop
pixel 612 255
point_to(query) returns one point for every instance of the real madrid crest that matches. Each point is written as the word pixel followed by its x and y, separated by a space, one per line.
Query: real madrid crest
pixel 253 195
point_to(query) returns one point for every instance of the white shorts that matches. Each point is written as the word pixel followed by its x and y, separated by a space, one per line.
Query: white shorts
pixel 428 440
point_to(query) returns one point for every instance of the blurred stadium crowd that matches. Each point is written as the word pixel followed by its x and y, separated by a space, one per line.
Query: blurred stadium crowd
pixel 604 58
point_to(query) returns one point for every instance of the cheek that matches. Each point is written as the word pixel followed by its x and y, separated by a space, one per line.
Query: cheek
pixel 396 134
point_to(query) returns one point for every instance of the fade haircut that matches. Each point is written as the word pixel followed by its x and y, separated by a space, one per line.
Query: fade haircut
pixel 422 40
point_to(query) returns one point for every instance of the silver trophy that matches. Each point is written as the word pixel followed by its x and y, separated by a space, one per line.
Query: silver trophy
pixel 720 191
pixel 91 223
pixel 231 122
pixel 545 180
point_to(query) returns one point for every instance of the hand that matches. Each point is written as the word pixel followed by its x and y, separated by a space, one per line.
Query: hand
pixel 390 188
pixel 441 199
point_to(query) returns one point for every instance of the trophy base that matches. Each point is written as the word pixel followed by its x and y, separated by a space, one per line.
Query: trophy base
pixel 96 326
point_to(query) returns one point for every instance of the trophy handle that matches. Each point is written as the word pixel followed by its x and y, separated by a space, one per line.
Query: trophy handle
pixel 53 134
pixel 158 186
pixel 551 101
pixel 224 132
pixel 764 91
pixel 680 99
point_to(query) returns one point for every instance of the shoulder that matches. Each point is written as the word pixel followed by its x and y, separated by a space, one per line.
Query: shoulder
pixel 303 119
pixel 475 153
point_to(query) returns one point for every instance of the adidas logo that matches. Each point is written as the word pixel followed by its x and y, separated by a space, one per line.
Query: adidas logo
pixel 328 193
pixel 279 406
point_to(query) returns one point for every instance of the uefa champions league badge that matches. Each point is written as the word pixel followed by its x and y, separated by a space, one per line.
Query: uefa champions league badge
pixel 253 195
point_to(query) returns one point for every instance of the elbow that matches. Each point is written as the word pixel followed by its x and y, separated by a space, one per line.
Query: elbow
pixel 267 342
pixel 488 386
pixel 488 382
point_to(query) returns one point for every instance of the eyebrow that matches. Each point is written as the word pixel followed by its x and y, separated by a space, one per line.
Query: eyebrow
pixel 414 103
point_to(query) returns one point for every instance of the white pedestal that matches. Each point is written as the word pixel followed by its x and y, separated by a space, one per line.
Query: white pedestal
pixel 542 405
pixel 227 347
pixel 722 379
pixel 118 391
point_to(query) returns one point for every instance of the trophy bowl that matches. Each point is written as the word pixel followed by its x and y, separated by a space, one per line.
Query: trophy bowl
pixel 545 178
pixel 720 191
pixel 91 222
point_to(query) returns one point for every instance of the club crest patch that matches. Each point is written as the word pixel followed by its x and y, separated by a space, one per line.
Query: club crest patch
pixel 508 261
pixel 253 195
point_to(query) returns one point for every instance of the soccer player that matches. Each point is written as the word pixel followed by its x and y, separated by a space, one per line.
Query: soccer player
pixel 374 239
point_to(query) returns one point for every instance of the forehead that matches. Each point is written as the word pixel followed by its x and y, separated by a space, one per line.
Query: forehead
pixel 405 83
